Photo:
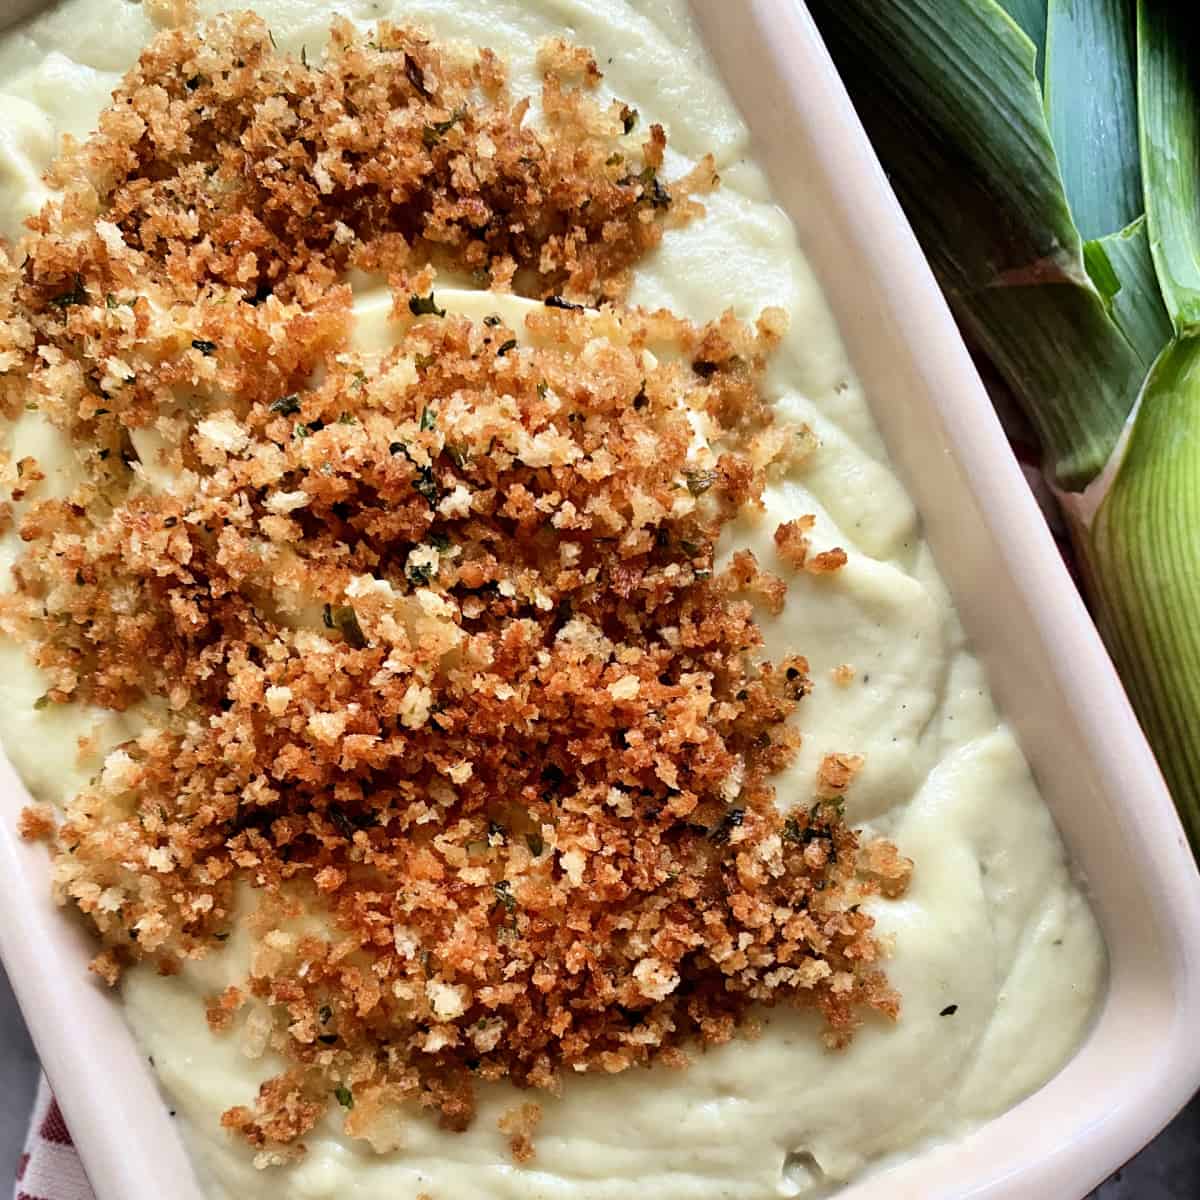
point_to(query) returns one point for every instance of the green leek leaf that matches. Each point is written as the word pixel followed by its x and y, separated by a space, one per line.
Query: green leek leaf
pixel 1121 267
pixel 948 93
pixel 1031 16
pixel 1091 107
pixel 1145 563
pixel 1169 111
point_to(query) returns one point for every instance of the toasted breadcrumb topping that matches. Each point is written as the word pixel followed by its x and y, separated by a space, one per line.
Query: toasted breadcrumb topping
pixel 436 662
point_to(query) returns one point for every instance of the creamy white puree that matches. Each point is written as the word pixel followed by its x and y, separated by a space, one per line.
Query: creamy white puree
pixel 993 922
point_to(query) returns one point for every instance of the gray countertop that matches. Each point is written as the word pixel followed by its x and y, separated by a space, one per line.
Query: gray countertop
pixel 1168 1169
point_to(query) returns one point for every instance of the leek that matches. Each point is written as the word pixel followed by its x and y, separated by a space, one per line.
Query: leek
pixel 1031 16
pixel 949 93
pixel 1091 111
pixel 1064 227
pixel 1170 131
pixel 1144 559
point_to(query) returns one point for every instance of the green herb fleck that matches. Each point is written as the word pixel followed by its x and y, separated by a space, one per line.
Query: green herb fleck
pixel 629 118
pixel 343 618
pixel 110 301
pixel 425 485
pixel 286 406
pixel 505 896
pixel 301 431
pixel 491 320
pixel 77 295
pixel 341 822
pixel 419 574
pixel 698 482
pixel 730 821
pixel 836 803
pixel 416 77
pixel 436 130
pixel 440 542
pixel 425 306
pixel 652 187
pixel 428 418
pixel 204 346
pixel 559 302
pixel 505 347
pixel 345 1097
pixel 659 196
pixel 42 702
pixel 536 844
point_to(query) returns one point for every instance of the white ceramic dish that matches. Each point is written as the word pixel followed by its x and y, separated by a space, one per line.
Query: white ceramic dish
pixel 1048 669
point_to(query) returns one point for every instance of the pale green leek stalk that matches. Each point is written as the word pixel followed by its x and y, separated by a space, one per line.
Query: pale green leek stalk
pixel 1047 153
pixel 1144 565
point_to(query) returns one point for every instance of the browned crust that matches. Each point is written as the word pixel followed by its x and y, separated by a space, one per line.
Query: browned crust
pixel 525 778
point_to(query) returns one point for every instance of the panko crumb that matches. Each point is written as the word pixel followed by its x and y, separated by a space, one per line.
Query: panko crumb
pixel 37 822
pixel 882 862
pixel 836 773
pixel 792 541
pixel 794 546
pixel 443 657
pixel 519 1123
pixel 844 674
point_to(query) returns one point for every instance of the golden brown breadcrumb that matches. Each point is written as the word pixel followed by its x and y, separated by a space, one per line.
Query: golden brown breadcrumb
pixel 519 1123
pixel 836 773
pixel 430 643
pixel 794 547
pixel 36 822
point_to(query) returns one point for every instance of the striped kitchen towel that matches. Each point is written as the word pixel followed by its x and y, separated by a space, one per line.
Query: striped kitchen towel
pixel 50 1168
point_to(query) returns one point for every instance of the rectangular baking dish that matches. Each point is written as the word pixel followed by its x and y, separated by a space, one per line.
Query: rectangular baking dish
pixel 1047 667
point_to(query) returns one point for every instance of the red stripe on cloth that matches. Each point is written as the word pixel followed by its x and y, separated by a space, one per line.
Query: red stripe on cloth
pixel 54 1128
